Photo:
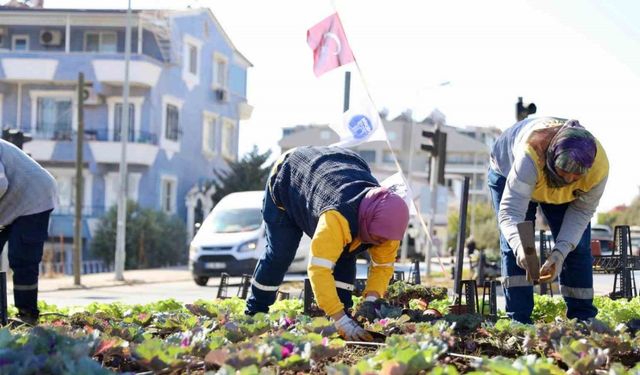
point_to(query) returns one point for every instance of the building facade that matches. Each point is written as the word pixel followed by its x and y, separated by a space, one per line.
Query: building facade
pixel 188 93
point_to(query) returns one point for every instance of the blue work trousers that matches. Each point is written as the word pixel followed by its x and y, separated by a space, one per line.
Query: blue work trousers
pixel 576 277
pixel 283 237
pixel 26 237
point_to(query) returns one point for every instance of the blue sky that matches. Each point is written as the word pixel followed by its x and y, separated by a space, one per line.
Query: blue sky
pixel 574 58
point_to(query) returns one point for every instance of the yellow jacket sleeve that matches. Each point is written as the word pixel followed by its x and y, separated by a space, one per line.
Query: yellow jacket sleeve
pixel 331 236
pixel 383 257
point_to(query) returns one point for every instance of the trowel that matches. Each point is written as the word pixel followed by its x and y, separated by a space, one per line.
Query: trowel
pixel 526 232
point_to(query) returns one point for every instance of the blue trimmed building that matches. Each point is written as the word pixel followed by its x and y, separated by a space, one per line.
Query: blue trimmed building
pixel 188 94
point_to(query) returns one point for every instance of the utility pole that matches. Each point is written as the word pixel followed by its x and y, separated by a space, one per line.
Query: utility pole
pixel 433 182
pixel 404 249
pixel 347 90
pixel 77 228
pixel 124 138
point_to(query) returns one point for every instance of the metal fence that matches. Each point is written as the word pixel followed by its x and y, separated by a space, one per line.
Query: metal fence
pixel 88 267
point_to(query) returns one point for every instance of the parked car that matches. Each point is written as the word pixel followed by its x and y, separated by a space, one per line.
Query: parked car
pixel 604 235
pixel 232 238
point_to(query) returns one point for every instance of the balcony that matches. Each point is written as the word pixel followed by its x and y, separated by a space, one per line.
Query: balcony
pixel 105 145
pixel 108 68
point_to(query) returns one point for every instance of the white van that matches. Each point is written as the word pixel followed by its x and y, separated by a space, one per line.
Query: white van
pixel 232 239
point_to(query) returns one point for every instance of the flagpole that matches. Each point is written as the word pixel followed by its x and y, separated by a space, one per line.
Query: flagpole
pixel 347 90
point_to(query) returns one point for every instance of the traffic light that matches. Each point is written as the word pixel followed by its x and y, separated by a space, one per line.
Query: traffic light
pixel 433 137
pixel 437 147
pixel 16 137
pixel 522 112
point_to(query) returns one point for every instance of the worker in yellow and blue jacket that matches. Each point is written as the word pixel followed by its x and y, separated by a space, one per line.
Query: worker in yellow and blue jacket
pixel 330 194
pixel 559 165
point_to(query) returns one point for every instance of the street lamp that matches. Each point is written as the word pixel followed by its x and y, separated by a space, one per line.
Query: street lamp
pixel 124 137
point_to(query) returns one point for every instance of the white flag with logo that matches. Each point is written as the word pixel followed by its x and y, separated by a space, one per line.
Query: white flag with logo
pixel 399 185
pixel 360 124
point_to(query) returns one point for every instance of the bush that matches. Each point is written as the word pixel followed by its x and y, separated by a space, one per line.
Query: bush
pixel 154 239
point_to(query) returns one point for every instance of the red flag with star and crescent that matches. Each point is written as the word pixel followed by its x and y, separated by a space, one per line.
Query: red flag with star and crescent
pixel 329 44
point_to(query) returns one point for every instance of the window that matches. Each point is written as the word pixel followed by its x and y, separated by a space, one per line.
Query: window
pixel 220 71
pixel 171 129
pixel 104 41
pixel 20 43
pixel 66 183
pixel 172 125
pixel 112 187
pixel 228 139
pixel 210 134
pixel 117 122
pixel 54 118
pixel 168 194
pixel 115 107
pixel 66 192
pixel 193 59
pixel 368 155
pixel 191 49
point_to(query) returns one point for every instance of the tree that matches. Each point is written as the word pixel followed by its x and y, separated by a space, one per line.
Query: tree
pixel 250 173
pixel 622 216
pixel 485 230
pixel 154 239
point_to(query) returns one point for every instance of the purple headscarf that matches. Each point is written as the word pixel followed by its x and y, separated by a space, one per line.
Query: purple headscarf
pixel 382 213
pixel 572 149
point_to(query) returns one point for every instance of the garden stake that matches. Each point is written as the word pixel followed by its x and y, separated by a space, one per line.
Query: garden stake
pixel 309 299
pixel 414 276
pixel 243 286
pixel 282 295
pixel 491 286
pixel 360 285
pixel 398 276
pixel 544 245
pixel 624 271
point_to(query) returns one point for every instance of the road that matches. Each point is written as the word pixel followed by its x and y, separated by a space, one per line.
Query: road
pixel 188 291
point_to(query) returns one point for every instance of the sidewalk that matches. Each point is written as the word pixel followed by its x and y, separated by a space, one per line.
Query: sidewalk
pixel 102 280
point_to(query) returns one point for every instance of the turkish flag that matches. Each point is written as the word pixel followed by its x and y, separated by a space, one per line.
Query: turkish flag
pixel 329 45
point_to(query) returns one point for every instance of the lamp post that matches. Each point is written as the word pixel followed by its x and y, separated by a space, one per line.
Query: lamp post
pixel 124 137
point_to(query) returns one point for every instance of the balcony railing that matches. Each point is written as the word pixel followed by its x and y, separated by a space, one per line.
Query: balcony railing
pixel 103 134
pixel 87 211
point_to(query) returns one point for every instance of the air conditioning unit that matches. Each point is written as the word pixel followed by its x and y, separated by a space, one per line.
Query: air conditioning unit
pixel 51 37
pixel 222 95
pixel 90 96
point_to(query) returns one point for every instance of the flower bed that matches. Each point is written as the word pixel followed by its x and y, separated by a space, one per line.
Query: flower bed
pixel 168 337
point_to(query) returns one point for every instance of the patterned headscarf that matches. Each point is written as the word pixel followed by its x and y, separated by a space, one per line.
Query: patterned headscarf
pixel 382 213
pixel 572 149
